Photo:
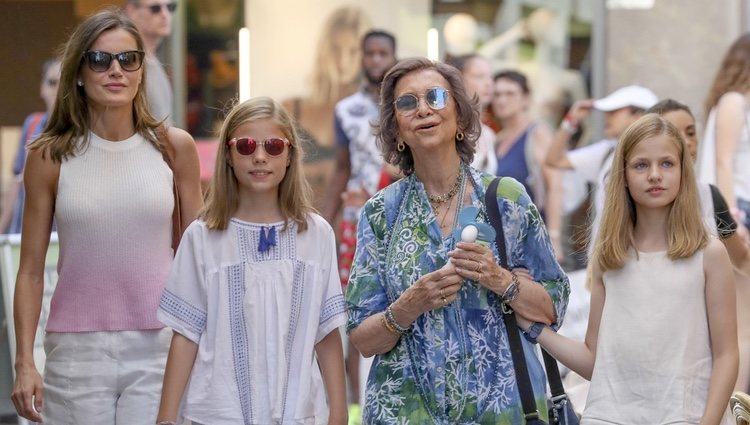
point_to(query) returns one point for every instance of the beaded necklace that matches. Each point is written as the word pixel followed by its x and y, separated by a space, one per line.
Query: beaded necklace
pixel 436 201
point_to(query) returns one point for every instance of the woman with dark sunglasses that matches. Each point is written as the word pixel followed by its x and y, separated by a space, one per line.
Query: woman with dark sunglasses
pixel 99 168
pixel 427 305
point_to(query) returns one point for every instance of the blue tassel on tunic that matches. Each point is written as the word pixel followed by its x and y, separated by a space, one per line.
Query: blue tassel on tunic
pixel 267 238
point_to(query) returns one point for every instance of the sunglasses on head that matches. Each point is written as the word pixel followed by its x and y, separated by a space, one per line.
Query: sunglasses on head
pixel 156 7
pixel 246 145
pixel 435 97
pixel 101 61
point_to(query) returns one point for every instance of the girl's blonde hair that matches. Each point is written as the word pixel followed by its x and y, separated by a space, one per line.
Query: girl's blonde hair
pixel 222 197
pixel 68 127
pixel 686 232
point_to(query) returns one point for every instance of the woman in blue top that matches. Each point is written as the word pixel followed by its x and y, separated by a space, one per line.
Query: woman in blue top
pixel 521 147
pixel 435 326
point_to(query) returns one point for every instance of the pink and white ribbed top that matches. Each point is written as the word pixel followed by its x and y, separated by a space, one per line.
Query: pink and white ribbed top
pixel 114 222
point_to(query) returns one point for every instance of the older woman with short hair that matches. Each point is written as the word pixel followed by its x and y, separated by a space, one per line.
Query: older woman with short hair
pixel 436 329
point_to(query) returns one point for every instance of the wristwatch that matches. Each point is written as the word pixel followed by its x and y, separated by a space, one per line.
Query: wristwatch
pixel 532 333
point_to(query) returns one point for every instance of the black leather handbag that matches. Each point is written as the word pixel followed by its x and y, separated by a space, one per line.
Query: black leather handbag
pixel 559 408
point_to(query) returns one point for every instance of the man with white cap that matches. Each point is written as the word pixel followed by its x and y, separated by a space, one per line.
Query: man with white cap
pixel 593 162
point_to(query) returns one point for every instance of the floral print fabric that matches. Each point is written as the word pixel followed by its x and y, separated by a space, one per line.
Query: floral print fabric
pixel 454 366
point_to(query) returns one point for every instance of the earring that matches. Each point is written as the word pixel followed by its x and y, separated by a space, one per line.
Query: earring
pixel 400 147
pixel 460 136
pixel 80 83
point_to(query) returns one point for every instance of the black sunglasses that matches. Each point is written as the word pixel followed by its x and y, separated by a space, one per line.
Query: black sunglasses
pixel 436 98
pixel 98 61
pixel 247 145
pixel 156 7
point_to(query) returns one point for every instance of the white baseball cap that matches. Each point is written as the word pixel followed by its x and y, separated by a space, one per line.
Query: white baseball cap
pixel 637 96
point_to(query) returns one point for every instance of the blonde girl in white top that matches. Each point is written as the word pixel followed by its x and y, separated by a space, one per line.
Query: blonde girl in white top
pixel 661 344
pixel 254 296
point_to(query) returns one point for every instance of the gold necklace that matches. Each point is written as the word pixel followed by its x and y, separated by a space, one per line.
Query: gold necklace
pixel 439 199
pixel 447 212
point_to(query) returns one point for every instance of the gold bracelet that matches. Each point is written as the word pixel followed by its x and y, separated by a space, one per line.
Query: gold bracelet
pixel 511 291
pixel 392 321
pixel 388 325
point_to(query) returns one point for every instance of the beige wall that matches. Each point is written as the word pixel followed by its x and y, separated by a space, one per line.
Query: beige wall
pixel 674 49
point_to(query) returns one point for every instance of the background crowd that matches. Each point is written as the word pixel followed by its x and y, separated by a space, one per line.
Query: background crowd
pixel 264 293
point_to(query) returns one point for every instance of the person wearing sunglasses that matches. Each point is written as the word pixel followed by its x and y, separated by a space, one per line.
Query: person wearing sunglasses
pixel 153 18
pixel 100 170
pixel 424 303
pixel 253 296
pixel 33 125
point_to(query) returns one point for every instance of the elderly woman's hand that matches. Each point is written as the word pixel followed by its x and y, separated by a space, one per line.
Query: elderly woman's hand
pixel 476 262
pixel 433 290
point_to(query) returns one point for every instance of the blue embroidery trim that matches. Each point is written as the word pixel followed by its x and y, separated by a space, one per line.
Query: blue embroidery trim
pixel 332 307
pixel 186 313
pixel 298 290
pixel 279 245
pixel 238 329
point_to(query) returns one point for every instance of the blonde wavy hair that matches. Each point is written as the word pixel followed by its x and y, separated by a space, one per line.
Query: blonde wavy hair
pixel 68 127
pixel 686 232
pixel 733 73
pixel 222 197
pixel 326 79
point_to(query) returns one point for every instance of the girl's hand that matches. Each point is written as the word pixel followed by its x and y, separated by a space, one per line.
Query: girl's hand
pixel 523 324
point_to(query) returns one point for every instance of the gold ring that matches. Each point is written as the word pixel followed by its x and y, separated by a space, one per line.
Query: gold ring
pixel 445 301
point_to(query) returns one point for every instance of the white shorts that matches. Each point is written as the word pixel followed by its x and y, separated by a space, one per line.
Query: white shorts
pixel 107 378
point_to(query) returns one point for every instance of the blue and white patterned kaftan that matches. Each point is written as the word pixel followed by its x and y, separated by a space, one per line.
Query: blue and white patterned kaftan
pixel 454 366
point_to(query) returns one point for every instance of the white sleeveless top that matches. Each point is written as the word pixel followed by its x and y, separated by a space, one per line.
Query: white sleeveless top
pixel 114 220
pixel 706 164
pixel 653 359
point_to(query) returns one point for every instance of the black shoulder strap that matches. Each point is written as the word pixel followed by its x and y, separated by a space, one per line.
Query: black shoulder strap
pixel 496 220
pixel 514 338
pixel 511 326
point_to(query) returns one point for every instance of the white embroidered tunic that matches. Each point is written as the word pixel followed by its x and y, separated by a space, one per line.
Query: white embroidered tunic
pixel 256 317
